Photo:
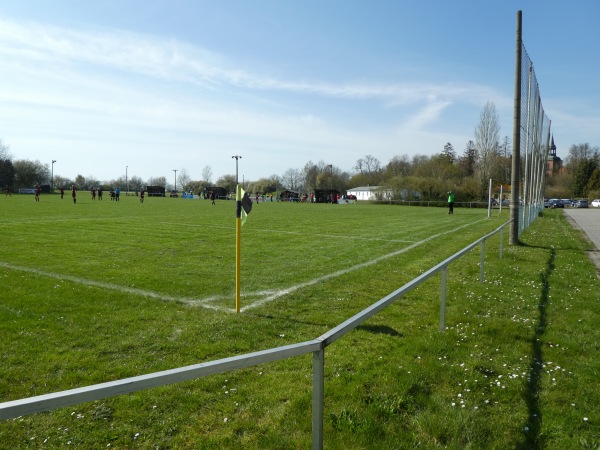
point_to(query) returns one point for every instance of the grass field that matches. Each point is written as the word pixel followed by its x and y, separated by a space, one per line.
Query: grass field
pixel 100 291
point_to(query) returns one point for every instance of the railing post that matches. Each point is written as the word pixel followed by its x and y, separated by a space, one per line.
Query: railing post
pixel 501 241
pixel 443 300
pixel 318 398
pixel 482 262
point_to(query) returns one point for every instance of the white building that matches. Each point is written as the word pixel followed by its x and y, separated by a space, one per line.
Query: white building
pixel 370 193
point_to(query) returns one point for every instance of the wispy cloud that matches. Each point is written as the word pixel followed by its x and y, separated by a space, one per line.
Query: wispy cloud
pixel 179 61
pixel 129 91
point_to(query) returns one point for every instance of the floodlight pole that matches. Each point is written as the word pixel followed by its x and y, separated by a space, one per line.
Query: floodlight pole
pixel 126 182
pixel 175 170
pixel 237 157
pixel 52 176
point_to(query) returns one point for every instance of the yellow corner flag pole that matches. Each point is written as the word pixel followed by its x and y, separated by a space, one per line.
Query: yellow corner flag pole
pixel 238 242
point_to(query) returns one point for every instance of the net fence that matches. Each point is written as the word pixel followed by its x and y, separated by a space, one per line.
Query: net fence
pixel 534 144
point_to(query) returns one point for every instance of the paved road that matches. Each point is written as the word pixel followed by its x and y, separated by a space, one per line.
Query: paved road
pixel 588 220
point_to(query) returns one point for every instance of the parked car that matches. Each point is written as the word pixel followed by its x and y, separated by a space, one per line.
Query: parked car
pixel 547 203
pixel 581 204
pixel 568 202
pixel 596 203
pixel 556 203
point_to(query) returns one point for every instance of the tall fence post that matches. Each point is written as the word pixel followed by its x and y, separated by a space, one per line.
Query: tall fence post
pixel 318 398
pixel 516 143
pixel 490 199
pixel 443 300
pixel 482 261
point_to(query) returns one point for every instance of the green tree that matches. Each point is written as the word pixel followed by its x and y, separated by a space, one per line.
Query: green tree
pixel 449 153
pixel 399 166
pixel 197 186
pixel 228 182
pixel 264 185
pixel 81 182
pixel 582 176
pixel 7 170
pixel 593 183
pixel 29 173
pixel 578 153
pixel 468 160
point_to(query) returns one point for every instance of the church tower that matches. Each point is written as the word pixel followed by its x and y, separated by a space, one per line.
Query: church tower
pixel 554 164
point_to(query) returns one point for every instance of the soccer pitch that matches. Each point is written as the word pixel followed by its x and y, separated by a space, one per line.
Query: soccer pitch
pixel 100 291
pixel 96 292
pixel 183 250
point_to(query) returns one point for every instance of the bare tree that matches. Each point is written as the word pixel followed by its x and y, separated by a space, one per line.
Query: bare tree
pixel 157 181
pixel 292 179
pixel 62 181
pixel 368 165
pixel 4 153
pixel 368 171
pixel 136 183
pixel 207 174
pixel 578 153
pixel 487 137
pixel 310 173
pixel 183 178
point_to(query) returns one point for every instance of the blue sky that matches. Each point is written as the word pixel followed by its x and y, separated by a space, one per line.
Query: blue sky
pixel 182 84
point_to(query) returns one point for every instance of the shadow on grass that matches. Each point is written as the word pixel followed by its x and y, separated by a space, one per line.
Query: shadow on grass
pixel 532 429
pixel 380 329
pixel 284 319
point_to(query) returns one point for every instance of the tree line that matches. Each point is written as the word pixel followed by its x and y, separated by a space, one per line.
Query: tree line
pixel 427 177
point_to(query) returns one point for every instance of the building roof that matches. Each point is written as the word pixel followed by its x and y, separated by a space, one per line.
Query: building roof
pixel 365 189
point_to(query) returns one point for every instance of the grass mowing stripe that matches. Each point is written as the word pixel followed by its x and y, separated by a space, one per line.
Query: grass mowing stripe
pixel 270 296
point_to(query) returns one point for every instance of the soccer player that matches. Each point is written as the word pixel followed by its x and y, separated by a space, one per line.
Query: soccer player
pixel 450 202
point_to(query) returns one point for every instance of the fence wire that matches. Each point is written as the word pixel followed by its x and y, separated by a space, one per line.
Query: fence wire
pixel 535 136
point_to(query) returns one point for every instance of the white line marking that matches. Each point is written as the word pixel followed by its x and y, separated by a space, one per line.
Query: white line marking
pixel 113 287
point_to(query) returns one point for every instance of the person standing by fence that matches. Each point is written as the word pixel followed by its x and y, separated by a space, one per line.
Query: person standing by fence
pixel 450 202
